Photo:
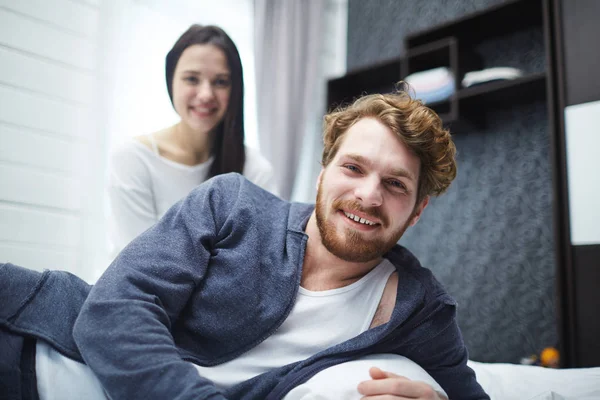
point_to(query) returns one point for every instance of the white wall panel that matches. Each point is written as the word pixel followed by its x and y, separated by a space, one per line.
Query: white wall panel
pixel 38 38
pixel 23 185
pixel 65 14
pixel 51 115
pixel 39 227
pixel 24 71
pixel 25 147
pixel 582 130
pixel 38 258
pixel 51 143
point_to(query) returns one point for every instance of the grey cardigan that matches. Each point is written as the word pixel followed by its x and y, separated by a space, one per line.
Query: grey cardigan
pixel 213 278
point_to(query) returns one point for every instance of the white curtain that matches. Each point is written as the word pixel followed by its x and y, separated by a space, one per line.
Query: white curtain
pixel 332 65
pixel 288 46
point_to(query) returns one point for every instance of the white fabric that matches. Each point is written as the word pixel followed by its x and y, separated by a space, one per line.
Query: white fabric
pixel 490 74
pixel 521 382
pixel 60 378
pixel 317 321
pixel 432 85
pixel 430 80
pixel 500 381
pixel 143 186
pixel 340 381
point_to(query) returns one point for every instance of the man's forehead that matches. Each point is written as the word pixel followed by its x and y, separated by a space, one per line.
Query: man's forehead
pixel 368 130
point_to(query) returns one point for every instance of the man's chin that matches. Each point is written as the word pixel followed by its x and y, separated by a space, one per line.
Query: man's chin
pixel 355 251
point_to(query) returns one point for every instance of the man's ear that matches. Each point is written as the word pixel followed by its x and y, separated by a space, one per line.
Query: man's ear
pixel 319 178
pixel 419 210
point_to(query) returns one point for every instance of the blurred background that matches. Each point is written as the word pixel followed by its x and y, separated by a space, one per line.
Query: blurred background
pixel 516 240
pixel 78 78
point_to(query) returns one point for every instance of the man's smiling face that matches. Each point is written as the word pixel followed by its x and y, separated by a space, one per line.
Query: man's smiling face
pixel 367 193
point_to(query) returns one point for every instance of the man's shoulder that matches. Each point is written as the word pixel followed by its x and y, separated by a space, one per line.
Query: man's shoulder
pixel 232 192
pixel 235 183
pixel 407 263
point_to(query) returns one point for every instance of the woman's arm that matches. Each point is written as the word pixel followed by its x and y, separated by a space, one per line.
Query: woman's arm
pixel 131 198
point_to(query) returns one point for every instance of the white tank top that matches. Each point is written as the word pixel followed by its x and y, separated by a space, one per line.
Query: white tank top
pixel 317 321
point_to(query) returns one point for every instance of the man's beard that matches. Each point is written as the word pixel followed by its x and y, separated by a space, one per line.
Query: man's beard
pixel 354 248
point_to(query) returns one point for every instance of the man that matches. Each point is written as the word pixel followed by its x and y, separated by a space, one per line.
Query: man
pixel 235 293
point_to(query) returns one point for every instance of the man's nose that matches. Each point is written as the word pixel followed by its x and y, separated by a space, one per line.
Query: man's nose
pixel 368 192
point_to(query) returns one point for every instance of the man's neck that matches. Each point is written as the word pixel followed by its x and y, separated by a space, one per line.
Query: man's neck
pixel 324 271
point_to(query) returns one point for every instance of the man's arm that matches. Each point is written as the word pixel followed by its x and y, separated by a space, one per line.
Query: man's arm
pixel 124 328
pixel 442 353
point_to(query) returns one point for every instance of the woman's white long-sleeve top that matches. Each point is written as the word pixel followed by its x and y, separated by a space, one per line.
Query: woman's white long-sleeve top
pixel 143 185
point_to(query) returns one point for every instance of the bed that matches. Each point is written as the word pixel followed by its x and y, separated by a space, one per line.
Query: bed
pixel 500 381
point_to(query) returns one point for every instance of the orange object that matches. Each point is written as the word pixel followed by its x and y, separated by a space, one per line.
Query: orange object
pixel 550 357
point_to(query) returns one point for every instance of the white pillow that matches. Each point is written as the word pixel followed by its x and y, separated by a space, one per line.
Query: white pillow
pixel 340 381
pixel 550 395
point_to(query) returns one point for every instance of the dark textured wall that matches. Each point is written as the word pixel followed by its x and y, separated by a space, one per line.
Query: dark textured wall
pixel 489 240
pixel 376 28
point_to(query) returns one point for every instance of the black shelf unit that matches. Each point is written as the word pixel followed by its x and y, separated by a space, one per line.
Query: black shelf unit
pixel 473 101
pixel 453 45
pixel 378 78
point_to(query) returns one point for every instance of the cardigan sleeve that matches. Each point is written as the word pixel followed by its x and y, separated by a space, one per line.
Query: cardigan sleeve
pixel 438 347
pixel 123 330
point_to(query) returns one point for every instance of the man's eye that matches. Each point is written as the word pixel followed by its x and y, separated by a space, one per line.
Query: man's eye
pixel 352 168
pixel 396 184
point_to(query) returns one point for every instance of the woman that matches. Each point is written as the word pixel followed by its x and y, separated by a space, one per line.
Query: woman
pixel 152 172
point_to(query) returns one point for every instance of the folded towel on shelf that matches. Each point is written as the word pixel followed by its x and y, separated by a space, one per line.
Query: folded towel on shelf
pixel 432 85
pixel 490 74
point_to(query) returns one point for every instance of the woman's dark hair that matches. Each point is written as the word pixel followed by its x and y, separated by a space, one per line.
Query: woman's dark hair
pixel 228 143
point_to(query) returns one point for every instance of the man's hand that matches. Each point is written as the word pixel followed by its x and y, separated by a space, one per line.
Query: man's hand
pixel 386 385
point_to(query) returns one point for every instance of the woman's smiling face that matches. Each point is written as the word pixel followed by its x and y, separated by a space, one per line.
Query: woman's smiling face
pixel 202 87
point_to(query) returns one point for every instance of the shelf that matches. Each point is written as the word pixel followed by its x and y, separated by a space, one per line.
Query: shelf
pixel 441 53
pixel 493 21
pixel 454 45
pixel 523 89
pixel 498 94
pixel 379 78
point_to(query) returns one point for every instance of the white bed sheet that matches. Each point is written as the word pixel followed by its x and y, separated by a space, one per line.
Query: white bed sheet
pixel 63 379
pixel 500 381
pixel 518 382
